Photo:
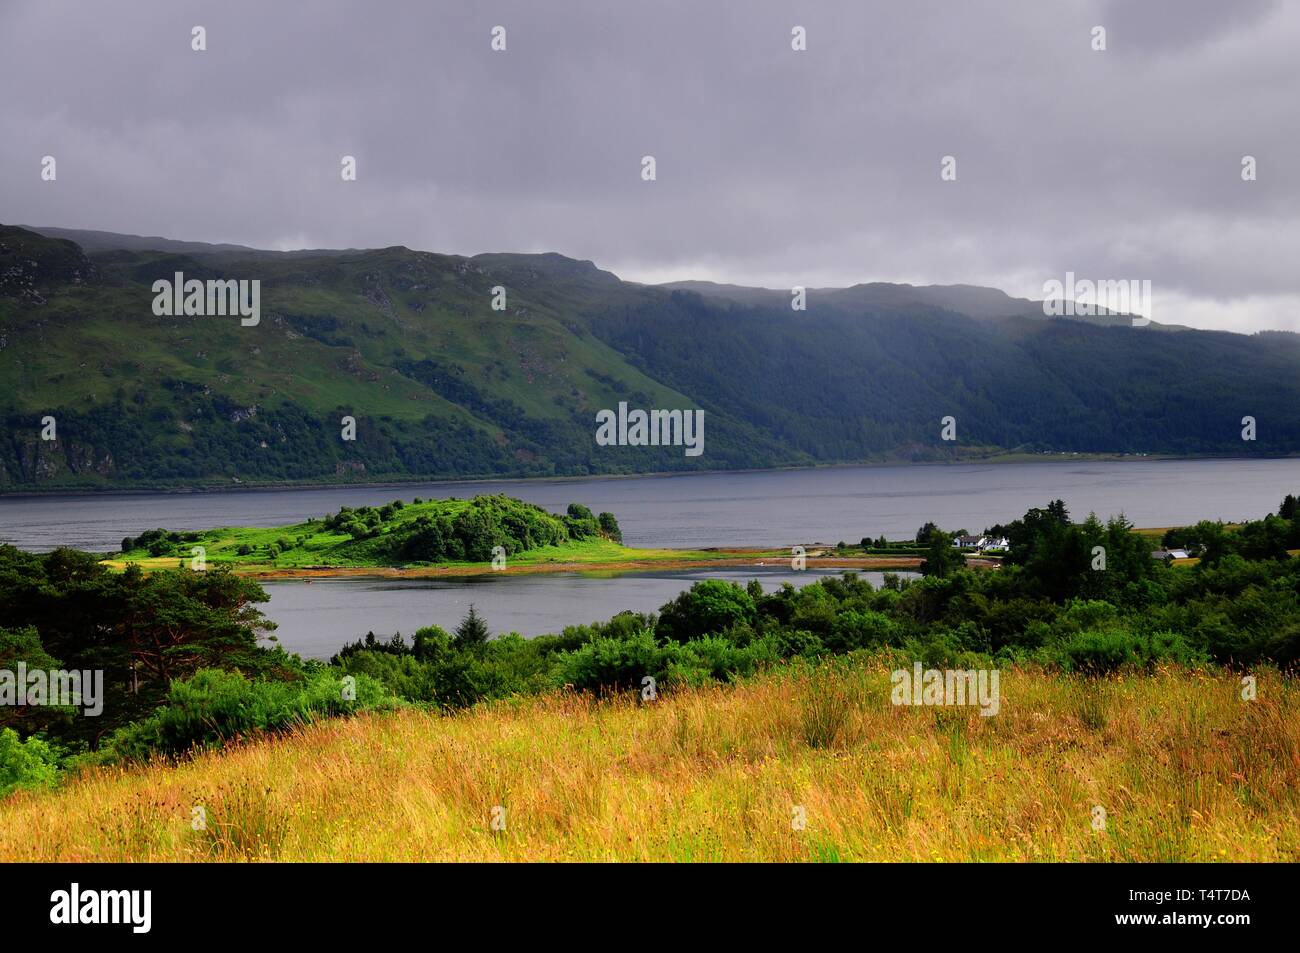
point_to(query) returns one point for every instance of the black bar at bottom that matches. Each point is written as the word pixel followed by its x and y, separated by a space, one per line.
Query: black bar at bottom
pixel 367 901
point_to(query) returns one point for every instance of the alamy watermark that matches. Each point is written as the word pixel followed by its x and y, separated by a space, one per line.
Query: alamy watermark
pixel 133 908
pixel 58 687
pixel 652 428
pixel 947 687
pixel 212 298
pixel 1084 298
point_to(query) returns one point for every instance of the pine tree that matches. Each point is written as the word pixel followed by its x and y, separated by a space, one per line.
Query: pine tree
pixel 472 629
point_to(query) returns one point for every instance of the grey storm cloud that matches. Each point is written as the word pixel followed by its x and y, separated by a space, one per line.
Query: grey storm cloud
pixel 774 167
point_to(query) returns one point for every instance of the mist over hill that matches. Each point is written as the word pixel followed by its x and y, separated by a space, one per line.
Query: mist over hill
pixel 441 385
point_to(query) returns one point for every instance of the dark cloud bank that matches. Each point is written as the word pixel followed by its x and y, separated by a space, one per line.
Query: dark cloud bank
pixel 775 167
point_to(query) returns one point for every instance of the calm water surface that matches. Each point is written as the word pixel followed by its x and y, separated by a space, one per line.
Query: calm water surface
pixel 315 619
pixel 767 508
pixel 724 509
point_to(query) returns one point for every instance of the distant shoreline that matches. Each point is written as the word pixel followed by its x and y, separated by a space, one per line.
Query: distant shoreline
pixel 904 563
pixel 998 459
pixel 647 560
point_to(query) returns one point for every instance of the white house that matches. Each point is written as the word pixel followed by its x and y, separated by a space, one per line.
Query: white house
pixel 981 544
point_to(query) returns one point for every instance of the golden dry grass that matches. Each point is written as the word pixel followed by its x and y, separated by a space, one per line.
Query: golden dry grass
pixel 1184 768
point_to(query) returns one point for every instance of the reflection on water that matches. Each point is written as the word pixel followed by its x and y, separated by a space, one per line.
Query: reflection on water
pixel 316 618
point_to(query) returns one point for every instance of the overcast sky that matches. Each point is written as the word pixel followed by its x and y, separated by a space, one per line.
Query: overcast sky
pixel 774 167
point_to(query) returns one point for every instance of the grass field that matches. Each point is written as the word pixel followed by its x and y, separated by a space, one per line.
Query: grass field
pixel 1184 769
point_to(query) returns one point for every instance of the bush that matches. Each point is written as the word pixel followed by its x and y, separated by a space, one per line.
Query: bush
pixel 215 706
pixel 859 630
pixel 580 522
pixel 431 643
pixel 609 526
pixel 789 643
pixel 719 659
pixel 26 764
pixel 1081 614
pixel 707 608
pixel 403 676
pixel 1173 647
pixel 1098 653
pixel 613 663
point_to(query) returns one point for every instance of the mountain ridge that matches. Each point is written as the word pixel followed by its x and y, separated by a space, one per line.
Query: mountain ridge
pixel 961 298
pixel 442 385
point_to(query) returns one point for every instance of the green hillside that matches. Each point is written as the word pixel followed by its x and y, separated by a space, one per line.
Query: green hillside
pixel 441 385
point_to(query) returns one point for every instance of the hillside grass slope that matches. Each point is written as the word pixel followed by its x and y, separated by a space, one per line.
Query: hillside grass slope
pixel 1183 767
pixel 440 384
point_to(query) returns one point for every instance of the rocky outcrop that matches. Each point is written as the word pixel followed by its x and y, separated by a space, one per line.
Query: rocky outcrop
pixel 33 266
